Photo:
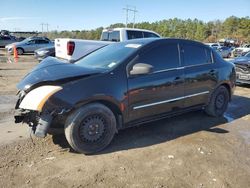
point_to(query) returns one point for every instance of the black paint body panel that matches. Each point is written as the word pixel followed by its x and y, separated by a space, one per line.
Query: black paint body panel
pixel 124 93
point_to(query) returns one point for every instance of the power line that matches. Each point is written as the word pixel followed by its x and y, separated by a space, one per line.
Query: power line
pixel 130 9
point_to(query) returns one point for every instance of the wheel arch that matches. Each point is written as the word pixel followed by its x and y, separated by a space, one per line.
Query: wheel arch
pixel 21 49
pixel 227 86
pixel 109 104
pixel 115 109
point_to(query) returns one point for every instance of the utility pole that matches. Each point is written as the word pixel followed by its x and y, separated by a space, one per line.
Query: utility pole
pixel 45 24
pixel 130 9
pixel 47 27
pixel 42 24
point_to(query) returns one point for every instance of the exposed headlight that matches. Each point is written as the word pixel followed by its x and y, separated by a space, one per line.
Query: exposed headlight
pixel 42 52
pixel 36 98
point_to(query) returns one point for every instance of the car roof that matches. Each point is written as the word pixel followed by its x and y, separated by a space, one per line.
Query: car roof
pixel 129 29
pixel 45 38
pixel 145 41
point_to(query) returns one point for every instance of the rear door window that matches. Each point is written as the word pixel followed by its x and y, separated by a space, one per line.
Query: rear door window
pixel 196 55
pixel 134 34
pixel 162 57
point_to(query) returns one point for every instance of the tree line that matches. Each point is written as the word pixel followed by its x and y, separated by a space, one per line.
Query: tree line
pixel 232 28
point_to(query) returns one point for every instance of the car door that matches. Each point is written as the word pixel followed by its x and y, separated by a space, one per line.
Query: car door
pixel 200 73
pixel 30 46
pixel 160 91
pixel 40 43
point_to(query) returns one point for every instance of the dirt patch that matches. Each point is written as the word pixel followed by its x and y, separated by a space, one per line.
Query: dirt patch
pixel 150 156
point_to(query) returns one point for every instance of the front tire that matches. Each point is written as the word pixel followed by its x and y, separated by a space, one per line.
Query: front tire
pixel 91 128
pixel 218 102
pixel 20 51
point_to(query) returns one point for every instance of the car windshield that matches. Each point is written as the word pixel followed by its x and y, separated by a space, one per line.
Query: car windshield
pixel 109 56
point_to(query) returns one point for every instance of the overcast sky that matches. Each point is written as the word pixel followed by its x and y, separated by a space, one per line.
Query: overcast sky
pixel 27 15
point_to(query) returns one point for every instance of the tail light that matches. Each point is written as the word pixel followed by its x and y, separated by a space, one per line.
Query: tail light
pixel 70 48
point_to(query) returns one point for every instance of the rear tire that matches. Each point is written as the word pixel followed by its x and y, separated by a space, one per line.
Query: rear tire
pixel 218 102
pixel 91 128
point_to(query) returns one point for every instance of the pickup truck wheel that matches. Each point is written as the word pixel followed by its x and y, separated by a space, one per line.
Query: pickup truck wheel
pixel 20 51
pixel 218 102
pixel 90 128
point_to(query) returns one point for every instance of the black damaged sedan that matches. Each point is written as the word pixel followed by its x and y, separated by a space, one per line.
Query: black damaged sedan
pixel 122 85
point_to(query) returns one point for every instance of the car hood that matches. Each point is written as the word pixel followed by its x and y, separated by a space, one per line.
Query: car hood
pixel 12 44
pixel 51 70
pixel 243 58
pixel 243 63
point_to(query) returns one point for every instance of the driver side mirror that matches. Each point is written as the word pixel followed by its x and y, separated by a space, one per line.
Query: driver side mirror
pixel 141 68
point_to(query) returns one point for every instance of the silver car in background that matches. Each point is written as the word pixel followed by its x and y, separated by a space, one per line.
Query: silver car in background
pixel 29 45
pixel 224 51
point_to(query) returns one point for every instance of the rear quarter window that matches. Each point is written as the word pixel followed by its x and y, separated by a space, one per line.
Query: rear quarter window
pixel 196 55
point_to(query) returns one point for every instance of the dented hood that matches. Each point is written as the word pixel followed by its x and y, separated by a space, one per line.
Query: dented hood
pixel 53 69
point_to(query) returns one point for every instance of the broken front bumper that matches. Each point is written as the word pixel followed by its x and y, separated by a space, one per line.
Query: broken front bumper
pixel 40 123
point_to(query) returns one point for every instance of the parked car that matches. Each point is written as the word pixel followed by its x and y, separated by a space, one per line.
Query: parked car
pixel 42 53
pixel 5 40
pixel 214 45
pixel 224 51
pixel 73 49
pixel 121 85
pixel 243 68
pixel 241 51
pixel 243 71
pixel 29 45
pixel 245 57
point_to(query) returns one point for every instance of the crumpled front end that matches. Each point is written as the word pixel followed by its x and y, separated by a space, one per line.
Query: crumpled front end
pixel 31 109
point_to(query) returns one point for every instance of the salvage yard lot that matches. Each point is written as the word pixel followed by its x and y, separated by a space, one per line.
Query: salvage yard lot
pixel 192 150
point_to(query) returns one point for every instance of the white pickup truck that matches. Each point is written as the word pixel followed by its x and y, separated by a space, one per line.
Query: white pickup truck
pixel 74 49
